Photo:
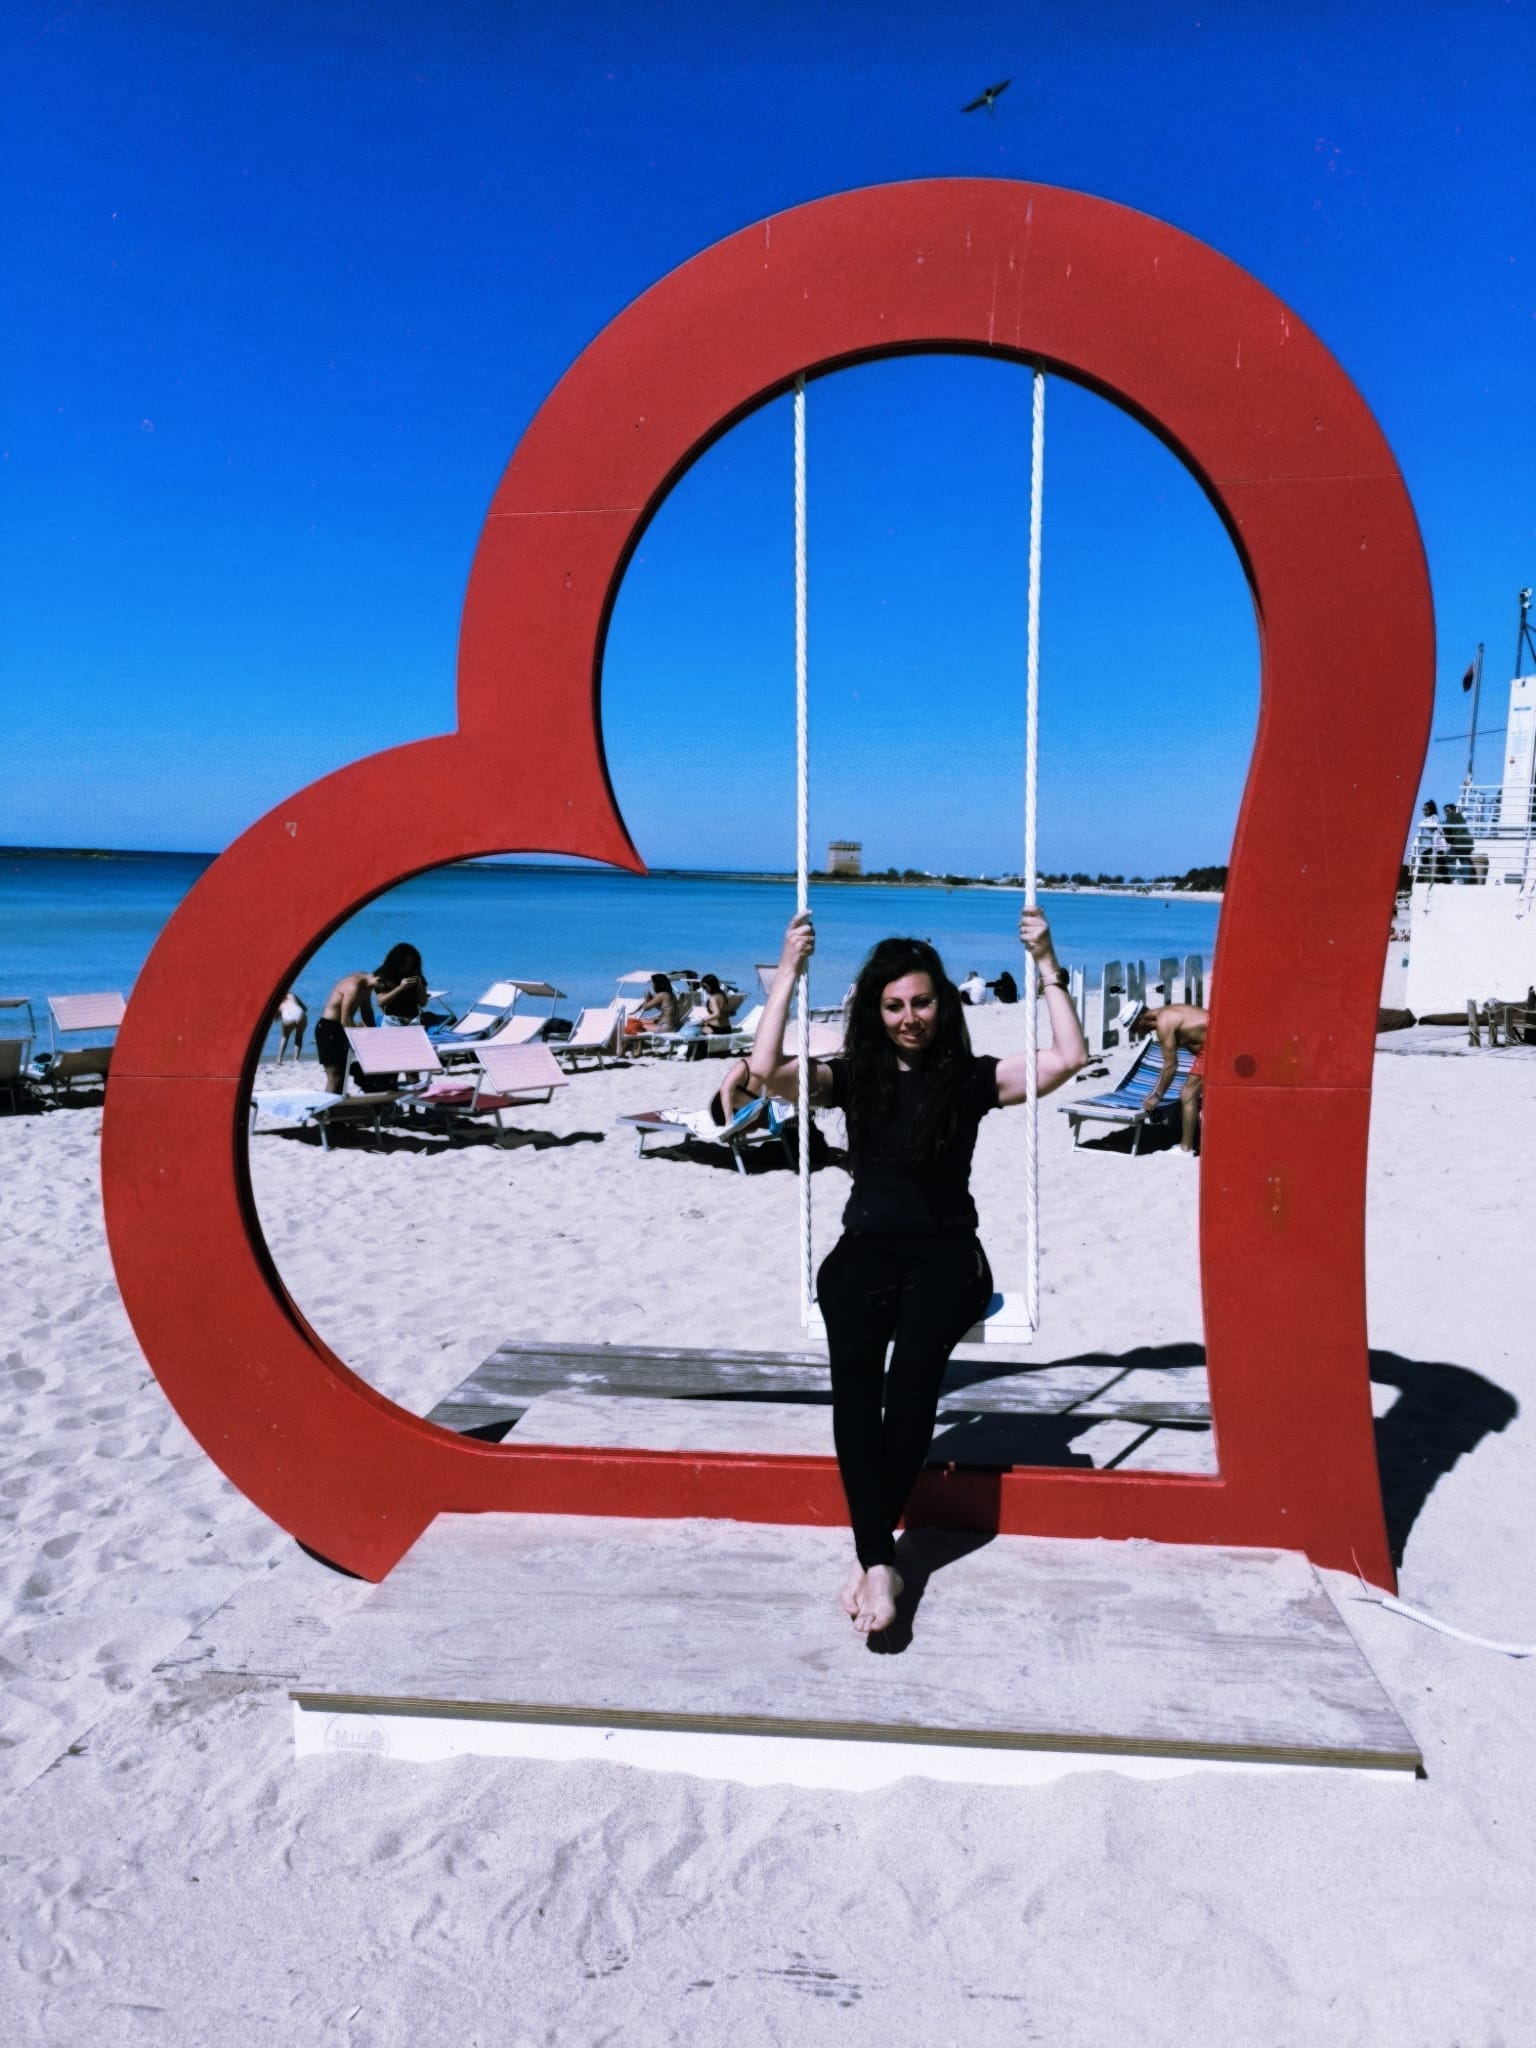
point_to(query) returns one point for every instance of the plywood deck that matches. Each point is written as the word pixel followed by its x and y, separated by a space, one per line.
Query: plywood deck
pixel 587 1633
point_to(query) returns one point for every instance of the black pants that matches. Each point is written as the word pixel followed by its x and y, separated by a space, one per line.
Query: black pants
pixel 919 1295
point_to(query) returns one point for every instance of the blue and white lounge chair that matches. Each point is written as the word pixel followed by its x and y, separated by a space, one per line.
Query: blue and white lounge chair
pixel 1125 1106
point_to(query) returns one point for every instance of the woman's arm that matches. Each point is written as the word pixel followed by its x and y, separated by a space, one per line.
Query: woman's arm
pixel 1068 1051
pixel 768 1071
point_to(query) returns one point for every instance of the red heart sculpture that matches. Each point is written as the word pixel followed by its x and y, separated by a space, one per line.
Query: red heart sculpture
pixel 1291 458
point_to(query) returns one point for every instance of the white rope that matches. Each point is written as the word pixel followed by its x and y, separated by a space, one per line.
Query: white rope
pixel 802 851
pixel 1031 795
pixel 1395 1606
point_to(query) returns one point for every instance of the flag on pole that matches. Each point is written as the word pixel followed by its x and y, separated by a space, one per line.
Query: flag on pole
pixel 1469 677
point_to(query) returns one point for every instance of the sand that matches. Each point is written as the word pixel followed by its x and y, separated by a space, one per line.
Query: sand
pixel 173 1877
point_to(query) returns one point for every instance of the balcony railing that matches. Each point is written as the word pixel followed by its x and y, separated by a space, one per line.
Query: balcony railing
pixel 1482 846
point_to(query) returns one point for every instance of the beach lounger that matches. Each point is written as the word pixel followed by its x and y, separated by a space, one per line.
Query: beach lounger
pixel 594 1037
pixel 492 1016
pixel 102 1012
pixel 744 1029
pixel 764 1126
pixel 516 1031
pixel 1125 1105
pixel 391 1048
pixel 313 1108
pixel 522 1073
pixel 482 1016
pixel 89 1063
pixel 14 1076
pixel 504 1076
pixel 57 1070
pixel 15 1053
pixel 683 1044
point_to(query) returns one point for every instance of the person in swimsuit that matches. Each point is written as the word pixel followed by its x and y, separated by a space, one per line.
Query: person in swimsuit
pixel 909 1273
pixel 1177 1024
pixel 658 1012
pixel 292 1016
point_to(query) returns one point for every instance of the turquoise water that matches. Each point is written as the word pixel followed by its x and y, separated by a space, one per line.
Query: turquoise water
pixel 70 925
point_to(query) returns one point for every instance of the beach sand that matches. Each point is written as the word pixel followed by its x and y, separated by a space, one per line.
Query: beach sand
pixel 173 1877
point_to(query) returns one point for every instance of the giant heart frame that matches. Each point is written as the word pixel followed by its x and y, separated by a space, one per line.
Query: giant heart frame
pixel 1289 455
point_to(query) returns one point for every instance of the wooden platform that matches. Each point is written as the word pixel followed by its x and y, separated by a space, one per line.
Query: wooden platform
pixel 717 1648
pixel 993 1412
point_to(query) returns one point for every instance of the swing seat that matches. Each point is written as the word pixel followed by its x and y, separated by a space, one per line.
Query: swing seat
pixel 1005 1321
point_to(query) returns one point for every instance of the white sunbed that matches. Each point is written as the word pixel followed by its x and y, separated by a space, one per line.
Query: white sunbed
pixel 759 1124
pixel 487 1019
pixel 314 1108
pixel 14 1076
pixel 15 1053
pixel 391 1048
pixel 58 1071
pixel 504 1077
pixel 594 1037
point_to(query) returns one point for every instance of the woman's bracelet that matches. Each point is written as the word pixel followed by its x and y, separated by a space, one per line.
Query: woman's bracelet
pixel 1060 979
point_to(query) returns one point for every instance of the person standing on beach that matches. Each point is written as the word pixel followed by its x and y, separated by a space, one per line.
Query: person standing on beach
pixel 400 985
pixel 349 1002
pixel 401 988
pixel 1176 1025
pixel 292 1016
pixel 909 1273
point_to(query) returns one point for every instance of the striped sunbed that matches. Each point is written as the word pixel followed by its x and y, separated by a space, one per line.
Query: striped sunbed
pixel 1126 1105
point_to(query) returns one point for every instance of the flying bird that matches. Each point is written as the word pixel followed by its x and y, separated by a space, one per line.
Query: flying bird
pixel 988 99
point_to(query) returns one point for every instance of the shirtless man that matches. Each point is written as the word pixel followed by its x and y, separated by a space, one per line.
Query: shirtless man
pixel 1176 1025
pixel 349 1002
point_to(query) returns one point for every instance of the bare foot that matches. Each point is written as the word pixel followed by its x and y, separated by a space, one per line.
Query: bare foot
pixel 849 1598
pixel 877 1600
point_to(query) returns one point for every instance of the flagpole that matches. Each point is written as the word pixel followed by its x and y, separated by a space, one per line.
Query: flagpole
pixel 1477 689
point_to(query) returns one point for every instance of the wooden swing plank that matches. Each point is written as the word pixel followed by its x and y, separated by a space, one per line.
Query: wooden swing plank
pixel 803 1429
pixel 517 1374
pixel 688 1631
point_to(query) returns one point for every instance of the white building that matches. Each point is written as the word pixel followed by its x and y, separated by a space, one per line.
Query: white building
pixel 1474 905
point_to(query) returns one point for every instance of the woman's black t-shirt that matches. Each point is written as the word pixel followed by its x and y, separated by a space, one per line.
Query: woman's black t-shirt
pixel 893 1192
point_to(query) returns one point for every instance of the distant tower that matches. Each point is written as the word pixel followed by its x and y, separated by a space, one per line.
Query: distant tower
pixel 845 857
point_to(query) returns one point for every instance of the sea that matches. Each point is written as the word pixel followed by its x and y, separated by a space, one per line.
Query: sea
pixel 78 923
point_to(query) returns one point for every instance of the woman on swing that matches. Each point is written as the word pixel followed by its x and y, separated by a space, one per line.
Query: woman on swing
pixel 909 1271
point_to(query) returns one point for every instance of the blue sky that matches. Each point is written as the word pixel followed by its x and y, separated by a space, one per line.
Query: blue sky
pixel 284 284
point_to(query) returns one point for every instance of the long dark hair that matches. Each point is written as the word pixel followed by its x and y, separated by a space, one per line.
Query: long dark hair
pixel 399 964
pixel 871 1056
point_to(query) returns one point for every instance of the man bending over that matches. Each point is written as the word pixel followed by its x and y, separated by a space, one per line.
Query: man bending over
pixel 1177 1024
pixel 349 1002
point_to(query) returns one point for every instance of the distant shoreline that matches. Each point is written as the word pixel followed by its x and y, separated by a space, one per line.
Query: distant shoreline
pixel 97 853
pixel 1147 893
pixel 1167 895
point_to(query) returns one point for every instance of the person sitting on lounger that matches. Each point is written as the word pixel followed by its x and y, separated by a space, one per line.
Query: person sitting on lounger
pixel 1176 1025
pixel 713 1011
pixel 909 1272
pixel 658 1012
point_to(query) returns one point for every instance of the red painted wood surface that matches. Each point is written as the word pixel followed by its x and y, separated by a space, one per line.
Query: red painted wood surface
pixel 1290 456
